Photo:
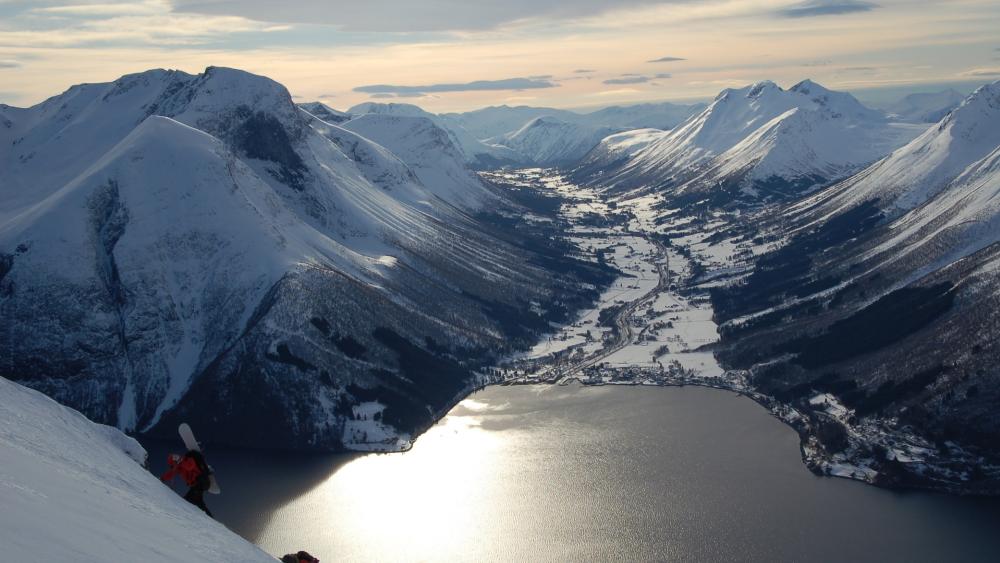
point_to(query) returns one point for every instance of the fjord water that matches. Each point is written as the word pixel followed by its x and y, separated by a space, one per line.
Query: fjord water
pixel 549 473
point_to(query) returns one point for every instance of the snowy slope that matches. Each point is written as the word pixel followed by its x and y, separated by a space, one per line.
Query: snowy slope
pixel 915 173
pixel 963 219
pixel 476 152
pixel 614 150
pixel 325 112
pixel 762 134
pixel 73 490
pixel 547 141
pixel 429 151
pixel 928 107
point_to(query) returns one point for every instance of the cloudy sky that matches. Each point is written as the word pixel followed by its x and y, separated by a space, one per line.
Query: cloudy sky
pixel 462 54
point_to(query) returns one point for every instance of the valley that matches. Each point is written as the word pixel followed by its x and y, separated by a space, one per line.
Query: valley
pixel 655 326
pixel 642 330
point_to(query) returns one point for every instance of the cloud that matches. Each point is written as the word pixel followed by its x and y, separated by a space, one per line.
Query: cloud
pixel 101 10
pixel 663 75
pixel 982 72
pixel 540 77
pixel 628 79
pixel 817 63
pixel 475 86
pixel 588 71
pixel 620 92
pixel 69 24
pixel 9 64
pixel 413 16
pixel 666 60
pixel 326 96
pixel 387 95
pixel 859 69
pixel 814 8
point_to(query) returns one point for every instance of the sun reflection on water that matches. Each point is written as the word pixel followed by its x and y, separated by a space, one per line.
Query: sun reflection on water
pixel 419 505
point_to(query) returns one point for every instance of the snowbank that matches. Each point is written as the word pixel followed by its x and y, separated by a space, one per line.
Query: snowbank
pixel 73 490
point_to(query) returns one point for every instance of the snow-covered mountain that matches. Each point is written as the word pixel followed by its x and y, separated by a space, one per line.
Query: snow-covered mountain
pixel 199 247
pixel 915 173
pixel 325 112
pixel 477 153
pixel 429 152
pixel 615 150
pixel 929 107
pixel 73 490
pixel 884 286
pixel 548 141
pixel 760 142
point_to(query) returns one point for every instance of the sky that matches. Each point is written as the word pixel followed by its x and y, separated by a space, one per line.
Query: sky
pixel 457 55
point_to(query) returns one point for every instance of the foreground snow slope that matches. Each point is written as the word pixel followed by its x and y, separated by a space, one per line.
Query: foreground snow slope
pixel 73 490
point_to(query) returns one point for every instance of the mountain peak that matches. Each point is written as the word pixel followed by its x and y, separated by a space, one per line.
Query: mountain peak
pixel 980 107
pixel 757 89
pixel 807 87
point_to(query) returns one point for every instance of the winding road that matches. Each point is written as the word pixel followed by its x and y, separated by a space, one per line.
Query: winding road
pixel 624 334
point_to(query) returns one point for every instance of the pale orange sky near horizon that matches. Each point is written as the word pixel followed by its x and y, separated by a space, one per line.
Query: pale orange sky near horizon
pixel 46 46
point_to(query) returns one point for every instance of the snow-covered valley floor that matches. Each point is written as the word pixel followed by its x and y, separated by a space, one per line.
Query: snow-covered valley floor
pixel 643 329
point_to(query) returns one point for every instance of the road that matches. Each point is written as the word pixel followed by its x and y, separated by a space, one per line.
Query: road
pixel 624 333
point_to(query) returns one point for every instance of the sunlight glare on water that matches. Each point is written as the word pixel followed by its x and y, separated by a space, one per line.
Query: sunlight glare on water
pixel 414 506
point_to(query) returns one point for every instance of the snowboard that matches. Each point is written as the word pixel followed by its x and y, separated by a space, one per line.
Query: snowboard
pixel 187 435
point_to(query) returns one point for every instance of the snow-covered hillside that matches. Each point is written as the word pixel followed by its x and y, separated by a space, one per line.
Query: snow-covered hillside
pixel 198 246
pixel 615 150
pixel 429 151
pixel 915 173
pixel 478 153
pixel 761 141
pixel 882 290
pixel 929 107
pixel 548 141
pixel 73 490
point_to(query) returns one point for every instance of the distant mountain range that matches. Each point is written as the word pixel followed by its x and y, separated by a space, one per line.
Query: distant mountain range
pixel 532 136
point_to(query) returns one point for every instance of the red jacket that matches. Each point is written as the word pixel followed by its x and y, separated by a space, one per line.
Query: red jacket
pixel 187 468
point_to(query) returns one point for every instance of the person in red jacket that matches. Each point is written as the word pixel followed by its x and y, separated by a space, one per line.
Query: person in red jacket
pixel 192 468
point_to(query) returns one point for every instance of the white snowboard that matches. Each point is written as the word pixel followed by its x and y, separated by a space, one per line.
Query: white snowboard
pixel 190 443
